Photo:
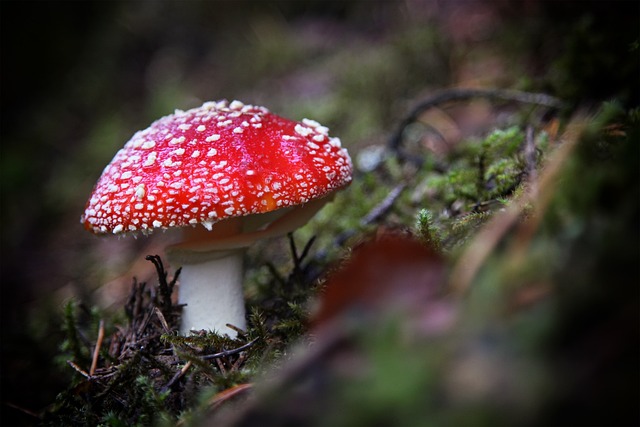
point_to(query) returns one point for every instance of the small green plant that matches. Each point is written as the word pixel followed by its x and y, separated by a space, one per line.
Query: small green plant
pixel 476 178
pixel 426 229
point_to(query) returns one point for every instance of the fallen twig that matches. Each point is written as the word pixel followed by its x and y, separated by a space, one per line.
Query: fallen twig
pixel 176 377
pixel 96 351
pixel 227 394
pixel 79 369
pixel 383 207
pixel 229 352
pixel 163 321
pixel 450 95
pixel 297 259
pixel 24 410
pixel 165 288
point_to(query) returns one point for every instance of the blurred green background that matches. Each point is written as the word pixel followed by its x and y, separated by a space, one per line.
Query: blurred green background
pixel 79 78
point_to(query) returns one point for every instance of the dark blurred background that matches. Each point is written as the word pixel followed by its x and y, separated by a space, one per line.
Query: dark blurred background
pixel 79 78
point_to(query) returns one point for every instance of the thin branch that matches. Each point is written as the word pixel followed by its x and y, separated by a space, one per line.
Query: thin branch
pixel 164 287
pixel 79 369
pixel 383 207
pixel 24 410
pixel 176 377
pixel 230 352
pixel 143 325
pixel 241 332
pixel 134 302
pixel 375 214
pixel 96 351
pixel 227 394
pixel 163 321
pixel 450 95
pixel 292 246
pixel 307 247
pixel 276 275
pixel 297 259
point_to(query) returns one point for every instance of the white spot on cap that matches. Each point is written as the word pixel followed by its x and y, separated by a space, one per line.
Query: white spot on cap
pixel 335 142
pixel 201 128
pixel 212 138
pixel 302 130
pixel 212 152
pixel 148 144
pixel 238 130
pixel 140 192
pixel 195 154
pixel 118 228
pixel 236 105
pixel 151 158
pixel 310 123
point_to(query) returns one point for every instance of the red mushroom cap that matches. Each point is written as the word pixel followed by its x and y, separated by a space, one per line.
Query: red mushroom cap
pixel 217 161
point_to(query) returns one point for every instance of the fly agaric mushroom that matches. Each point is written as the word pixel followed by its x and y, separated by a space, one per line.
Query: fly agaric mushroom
pixel 229 174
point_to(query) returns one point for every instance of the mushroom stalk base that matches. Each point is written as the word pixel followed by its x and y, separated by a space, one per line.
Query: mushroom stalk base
pixel 211 288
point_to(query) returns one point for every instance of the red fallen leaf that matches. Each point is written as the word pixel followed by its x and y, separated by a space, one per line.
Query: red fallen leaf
pixel 393 272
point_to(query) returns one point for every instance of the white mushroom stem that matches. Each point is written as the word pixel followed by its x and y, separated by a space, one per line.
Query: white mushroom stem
pixel 210 281
pixel 212 271
pixel 211 288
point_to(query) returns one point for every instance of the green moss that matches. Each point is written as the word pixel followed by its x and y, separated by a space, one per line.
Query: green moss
pixel 427 231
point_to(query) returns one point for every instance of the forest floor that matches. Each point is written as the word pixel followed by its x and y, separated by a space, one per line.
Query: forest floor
pixel 488 242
